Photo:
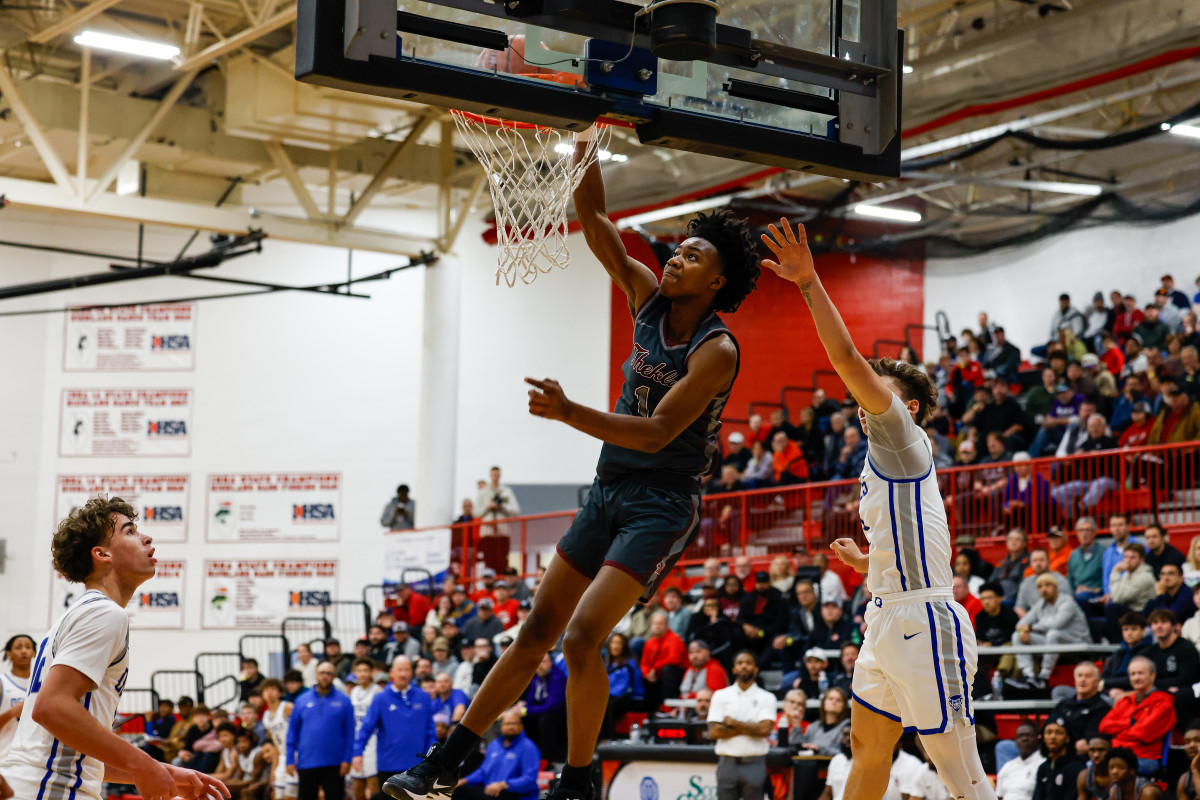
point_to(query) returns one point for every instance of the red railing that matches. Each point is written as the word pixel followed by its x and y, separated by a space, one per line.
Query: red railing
pixel 1151 483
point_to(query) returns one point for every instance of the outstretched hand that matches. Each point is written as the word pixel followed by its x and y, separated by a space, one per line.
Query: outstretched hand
pixel 793 260
pixel 547 399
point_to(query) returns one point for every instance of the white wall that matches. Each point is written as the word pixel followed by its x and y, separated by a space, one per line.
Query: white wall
pixel 1019 287
pixel 293 382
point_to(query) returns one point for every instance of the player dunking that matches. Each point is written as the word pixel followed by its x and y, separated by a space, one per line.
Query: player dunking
pixel 65 745
pixel 918 659
pixel 644 507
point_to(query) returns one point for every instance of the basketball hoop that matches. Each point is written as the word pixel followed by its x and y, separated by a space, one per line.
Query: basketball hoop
pixel 531 174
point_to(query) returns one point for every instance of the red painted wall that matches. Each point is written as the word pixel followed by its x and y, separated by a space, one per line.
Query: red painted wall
pixel 778 341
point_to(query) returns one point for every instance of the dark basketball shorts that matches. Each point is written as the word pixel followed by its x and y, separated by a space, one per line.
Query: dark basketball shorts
pixel 641 530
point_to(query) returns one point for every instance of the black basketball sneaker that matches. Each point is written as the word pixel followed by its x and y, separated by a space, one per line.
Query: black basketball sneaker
pixel 429 780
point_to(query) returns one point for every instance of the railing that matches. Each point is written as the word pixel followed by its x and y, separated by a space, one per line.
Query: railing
pixel 348 621
pixel 269 650
pixel 175 683
pixel 225 692
pixel 213 667
pixel 1156 483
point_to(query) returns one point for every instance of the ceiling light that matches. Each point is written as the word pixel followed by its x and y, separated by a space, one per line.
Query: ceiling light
pixel 124 44
pixel 1190 131
pixel 1060 187
pixel 908 70
pixel 1166 126
pixel 674 211
pixel 884 212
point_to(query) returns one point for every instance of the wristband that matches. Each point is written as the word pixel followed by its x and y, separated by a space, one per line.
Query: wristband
pixel 586 135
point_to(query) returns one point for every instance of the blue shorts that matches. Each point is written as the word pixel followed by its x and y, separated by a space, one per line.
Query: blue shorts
pixel 641 530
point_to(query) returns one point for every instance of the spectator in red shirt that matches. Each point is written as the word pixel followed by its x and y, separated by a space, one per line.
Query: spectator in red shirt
pixel 1139 430
pixel 664 661
pixel 963 596
pixel 1142 719
pixel 411 607
pixel 1130 317
pixel 506 607
pixel 704 672
pixel 488 577
pixel 1112 355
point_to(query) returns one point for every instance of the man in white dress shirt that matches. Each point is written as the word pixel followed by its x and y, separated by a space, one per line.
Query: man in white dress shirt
pixel 740 720
pixel 1017 779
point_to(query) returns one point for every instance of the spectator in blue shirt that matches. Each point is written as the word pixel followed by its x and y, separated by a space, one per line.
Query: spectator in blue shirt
pixel 1173 595
pixel 510 768
pixel 545 706
pixel 446 698
pixel 1118 525
pixel 401 718
pixel 320 738
pixel 625 690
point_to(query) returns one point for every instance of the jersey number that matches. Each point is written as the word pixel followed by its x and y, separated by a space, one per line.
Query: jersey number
pixel 35 679
pixel 643 398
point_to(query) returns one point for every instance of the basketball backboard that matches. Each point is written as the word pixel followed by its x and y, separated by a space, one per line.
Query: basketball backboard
pixel 808 85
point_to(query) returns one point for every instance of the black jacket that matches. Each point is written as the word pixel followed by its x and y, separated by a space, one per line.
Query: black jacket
pixel 771 618
pixel 1178 666
pixel 1082 716
pixel 1057 780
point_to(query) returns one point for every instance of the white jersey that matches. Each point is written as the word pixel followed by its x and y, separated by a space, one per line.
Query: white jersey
pixel 361 699
pixel 277 727
pixel 12 691
pixel 901 507
pixel 93 638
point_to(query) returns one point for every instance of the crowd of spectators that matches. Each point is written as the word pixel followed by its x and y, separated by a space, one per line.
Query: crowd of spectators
pixel 1109 378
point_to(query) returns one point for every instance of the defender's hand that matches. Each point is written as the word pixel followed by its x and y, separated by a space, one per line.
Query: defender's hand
pixel 547 400
pixel 793 260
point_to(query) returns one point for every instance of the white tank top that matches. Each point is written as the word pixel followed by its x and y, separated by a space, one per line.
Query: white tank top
pixel 12 691
pixel 904 521
pixel 277 726
pixel 92 636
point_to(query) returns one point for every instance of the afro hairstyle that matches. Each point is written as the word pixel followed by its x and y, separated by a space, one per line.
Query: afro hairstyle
pixel 737 248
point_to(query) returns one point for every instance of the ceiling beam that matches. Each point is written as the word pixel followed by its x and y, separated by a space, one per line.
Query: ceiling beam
pixel 33 130
pixel 68 23
pixel 285 165
pixel 386 171
pixel 43 196
pixel 237 40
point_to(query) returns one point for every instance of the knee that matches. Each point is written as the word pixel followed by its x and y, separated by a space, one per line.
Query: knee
pixel 580 644
pixel 537 632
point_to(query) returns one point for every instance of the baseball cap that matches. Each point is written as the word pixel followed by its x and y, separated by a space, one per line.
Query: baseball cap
pixel 1142 406
pixel 762 577
pixel 488 572
pixel 701 643
pixel 501 583
pixel 1089 360
pixel 486 603
pixel 736 437
pixel 815 652
pixel 505 641
pixel 1062 387
pixel 525 604
pixel 1055 531
pixel 458 589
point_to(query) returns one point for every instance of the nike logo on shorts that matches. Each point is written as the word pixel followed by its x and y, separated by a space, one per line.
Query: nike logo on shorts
pixel 908 636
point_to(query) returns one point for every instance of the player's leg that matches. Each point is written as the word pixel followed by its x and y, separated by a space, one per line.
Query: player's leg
pixel 873 738
pixel 956 756
pixel 602 606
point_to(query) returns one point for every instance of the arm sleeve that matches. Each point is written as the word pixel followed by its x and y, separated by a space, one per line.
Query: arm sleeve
pixel 896 445
pixel 93 640
pixel 716 710
pixel 385 519
pixel 295 723
pixel 348 732
pixel 525 781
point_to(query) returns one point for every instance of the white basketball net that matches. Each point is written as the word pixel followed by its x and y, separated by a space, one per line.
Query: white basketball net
pixel 531 173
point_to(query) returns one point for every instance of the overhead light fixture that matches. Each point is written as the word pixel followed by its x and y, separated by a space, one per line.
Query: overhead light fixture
pixel 1190 131
pixel 674 211
pixel 884 212
pixel 124 44
pixel 566 149
pixel 908 70
pixel 1059 187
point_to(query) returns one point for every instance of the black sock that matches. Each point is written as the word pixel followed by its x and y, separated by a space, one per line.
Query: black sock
pixel 575 777
pixel 459 745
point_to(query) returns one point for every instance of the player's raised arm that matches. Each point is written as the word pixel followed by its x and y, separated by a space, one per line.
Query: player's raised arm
pixel 794 262
pixel 632 276
pixel 710 372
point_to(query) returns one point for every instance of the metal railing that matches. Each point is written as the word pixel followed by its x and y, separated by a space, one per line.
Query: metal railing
pixel 348 621
pixel 1157 483
pixel 225 692
pixel 269 650
pixel 174 683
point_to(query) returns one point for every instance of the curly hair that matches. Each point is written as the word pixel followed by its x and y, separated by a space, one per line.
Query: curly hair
pixel 737 248
pixel 83 529
pixel 913 383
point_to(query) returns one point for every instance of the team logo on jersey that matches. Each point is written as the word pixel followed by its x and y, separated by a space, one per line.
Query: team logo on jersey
pixel 659 373
pixel 956 702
